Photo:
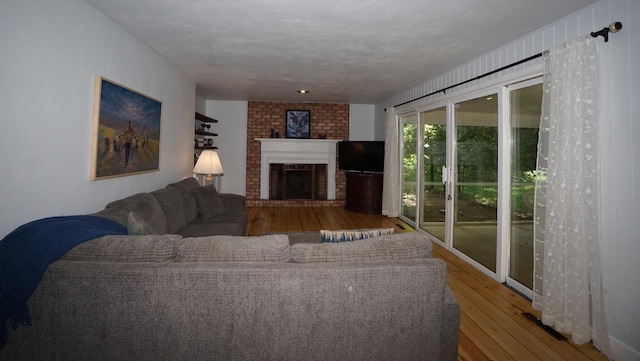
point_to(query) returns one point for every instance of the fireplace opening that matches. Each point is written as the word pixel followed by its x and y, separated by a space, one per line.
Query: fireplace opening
pixel 298 181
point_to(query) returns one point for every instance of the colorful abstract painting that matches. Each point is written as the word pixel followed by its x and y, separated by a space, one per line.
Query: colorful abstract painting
pixel 298 123
pixel 126 131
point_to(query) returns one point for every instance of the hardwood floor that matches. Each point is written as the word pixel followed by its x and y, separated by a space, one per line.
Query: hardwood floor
pixel 492 325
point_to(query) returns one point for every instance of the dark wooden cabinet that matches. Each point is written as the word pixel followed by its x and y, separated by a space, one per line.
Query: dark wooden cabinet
pixel 364 192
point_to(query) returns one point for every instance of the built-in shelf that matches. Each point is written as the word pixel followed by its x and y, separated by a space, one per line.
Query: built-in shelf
pixel 203 138
pixel 204 118
pixel 204 132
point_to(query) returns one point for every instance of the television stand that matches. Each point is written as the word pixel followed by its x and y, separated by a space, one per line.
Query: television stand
pixel 364 192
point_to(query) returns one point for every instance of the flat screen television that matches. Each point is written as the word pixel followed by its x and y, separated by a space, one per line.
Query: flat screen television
pixel 361 156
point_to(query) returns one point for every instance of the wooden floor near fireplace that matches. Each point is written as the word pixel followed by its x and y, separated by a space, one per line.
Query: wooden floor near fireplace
pixel 493 326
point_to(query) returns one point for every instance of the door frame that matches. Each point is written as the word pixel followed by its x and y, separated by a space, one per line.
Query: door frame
pixel 506 252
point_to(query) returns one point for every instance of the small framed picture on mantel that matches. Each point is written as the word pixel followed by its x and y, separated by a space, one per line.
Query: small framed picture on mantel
pixel 298 124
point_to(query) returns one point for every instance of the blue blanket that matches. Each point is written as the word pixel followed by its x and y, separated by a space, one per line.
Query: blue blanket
pixel 26 253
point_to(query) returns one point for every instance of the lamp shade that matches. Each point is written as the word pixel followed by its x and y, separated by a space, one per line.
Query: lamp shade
pixel 208 163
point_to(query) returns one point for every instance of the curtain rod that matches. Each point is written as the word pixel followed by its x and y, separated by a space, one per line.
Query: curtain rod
pixel 613 28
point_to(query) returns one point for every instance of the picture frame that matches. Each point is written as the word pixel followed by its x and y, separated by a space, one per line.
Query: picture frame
pixel 298 124
pixel 126 131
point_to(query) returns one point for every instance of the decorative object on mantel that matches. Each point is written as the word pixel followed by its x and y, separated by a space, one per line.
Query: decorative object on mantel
pixel 298 123
pixel 273 133
pixel 208 163
pixel 322 135
pixel 126 131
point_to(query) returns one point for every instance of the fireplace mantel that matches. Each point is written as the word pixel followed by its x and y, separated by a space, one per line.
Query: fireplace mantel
pixel 297 151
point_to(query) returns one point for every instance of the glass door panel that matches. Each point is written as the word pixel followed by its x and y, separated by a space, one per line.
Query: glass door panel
pixel 475 185
pixel 434 135
pixel 409 130
pixel 525 104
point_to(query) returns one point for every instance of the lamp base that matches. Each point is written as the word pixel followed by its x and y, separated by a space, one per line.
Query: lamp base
pixel 208 180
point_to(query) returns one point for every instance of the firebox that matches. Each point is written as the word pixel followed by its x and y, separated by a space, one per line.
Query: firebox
pixel 297 181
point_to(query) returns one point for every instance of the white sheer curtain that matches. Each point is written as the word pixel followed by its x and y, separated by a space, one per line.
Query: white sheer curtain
pixel 391 179
pixel 567 272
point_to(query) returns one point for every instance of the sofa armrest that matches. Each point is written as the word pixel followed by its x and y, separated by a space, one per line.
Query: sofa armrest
pixel 451 325
pixel 234 203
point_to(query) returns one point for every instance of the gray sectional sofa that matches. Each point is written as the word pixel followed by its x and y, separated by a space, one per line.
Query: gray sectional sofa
pixel 175 297
pixel 183 208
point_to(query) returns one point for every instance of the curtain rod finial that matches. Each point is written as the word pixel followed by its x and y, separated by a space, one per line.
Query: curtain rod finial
pixel 614 27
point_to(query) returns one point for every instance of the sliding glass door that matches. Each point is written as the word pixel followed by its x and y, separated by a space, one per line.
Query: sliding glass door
pixel 434 148
pixel 468 177
pixel 409 144
pixel 525 102
pixel 475 180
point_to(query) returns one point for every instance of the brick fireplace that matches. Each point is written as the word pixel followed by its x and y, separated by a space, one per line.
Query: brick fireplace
pixel 331 119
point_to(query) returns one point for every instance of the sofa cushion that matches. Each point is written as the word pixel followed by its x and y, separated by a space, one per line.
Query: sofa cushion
pixel 274 248
pixel 299 236
pixel 188 200
pixel 390 247
pixel 150 248
pixel 353 234
pixel 203 229
pixel 209 203
pixel 145 205
pixel 234 203
pixel 171 201
pixel 137 226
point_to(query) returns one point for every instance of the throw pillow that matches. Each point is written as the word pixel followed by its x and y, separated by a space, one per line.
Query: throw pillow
pixel 353 234
pixel 136 225
pixel 171 202
pixel 410 245
pixel 209 202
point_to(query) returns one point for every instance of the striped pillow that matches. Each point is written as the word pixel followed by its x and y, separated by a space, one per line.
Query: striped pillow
pixel 352 234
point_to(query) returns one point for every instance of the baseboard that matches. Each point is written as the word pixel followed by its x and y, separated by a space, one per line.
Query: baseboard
pixel 619 351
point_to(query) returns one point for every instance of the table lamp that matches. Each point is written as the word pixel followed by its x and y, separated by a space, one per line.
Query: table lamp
pixel 208 163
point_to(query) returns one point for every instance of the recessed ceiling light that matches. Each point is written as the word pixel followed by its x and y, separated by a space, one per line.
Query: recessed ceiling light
pixel 303 91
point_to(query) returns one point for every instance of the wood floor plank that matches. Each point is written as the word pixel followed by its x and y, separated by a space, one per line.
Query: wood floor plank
pixel 482 339
pixel 305 217
pixel 507 332
pixel 468 351
pixel 505 299
pixel 492 326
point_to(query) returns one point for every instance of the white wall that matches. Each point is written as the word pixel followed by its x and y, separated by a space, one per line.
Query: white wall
pixel 231 143
pixel 201 105
pixel 362 122
pixel 51 51
pixel 619 148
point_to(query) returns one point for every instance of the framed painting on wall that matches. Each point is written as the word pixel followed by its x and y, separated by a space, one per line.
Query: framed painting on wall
pixel 126 131
pixel 298 123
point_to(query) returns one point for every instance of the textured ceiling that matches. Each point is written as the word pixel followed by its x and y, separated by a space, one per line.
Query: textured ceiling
pixel 352 51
